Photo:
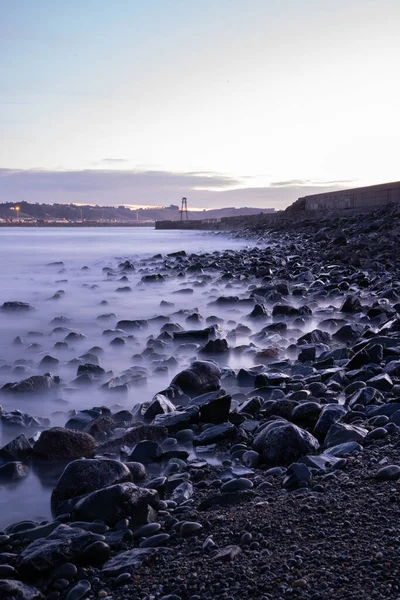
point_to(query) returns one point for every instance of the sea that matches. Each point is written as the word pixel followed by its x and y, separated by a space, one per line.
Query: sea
pixel 65 272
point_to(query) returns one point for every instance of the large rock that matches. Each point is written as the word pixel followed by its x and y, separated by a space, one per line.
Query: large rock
pixel 34 384
pixel 214 434
pixel 201 377
pixel 281 442
pixel 16 306
pixel 65 544
pixel 116 502
pixel 82 477
pixel 58 444
pixel 332 413
pixel 214 407
pixel 195 335
pixel 160 405
pixel 339 433
pixel 18 449
pixel 15 590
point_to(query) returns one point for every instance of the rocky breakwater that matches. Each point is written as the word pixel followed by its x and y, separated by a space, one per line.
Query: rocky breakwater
pixel 278 478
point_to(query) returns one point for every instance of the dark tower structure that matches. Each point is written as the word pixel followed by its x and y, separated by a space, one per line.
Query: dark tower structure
pixel 184 209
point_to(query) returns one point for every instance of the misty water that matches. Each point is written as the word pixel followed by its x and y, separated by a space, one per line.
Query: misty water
pixel 82 290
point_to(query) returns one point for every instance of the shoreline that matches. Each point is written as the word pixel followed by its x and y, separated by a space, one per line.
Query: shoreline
pixel 275 480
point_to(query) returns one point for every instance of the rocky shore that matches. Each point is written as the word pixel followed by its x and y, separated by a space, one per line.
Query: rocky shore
pixel 275 480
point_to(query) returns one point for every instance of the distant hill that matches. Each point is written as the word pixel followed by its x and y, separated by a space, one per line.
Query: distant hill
pixel 72 212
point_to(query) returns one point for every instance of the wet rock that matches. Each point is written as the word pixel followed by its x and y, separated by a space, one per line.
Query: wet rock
pixel 235 485
pixel 365 396
pixel 128 562
pixel 16 590
pixel 332 413
pixel 160 405
pixel 65 544
pixel 340 433
pixel 178 419
pixel 216 433
pixel 182 492
pixel 281 442
pixel 58 443
pixel 218 346
pixel 132 325
pixel 15 306
pixel 388 473
pixel 154 540
pixel 189 528
pixel 146 452
pixel 214 407
pixel 155 278
pixel 201 377
pixel 137 471
pixel 351 304
pixel 317 336
pixel 344 449
pixel 48 361
pixel 84 476
pixel 297 476
pixel 94 370
pixel 306 414
pixel 34 384
pixel 196 335
pixel 100 427
pixel 116 502
pixel 321 462
pixel 18 449
pixel 79 591
pixel 95 554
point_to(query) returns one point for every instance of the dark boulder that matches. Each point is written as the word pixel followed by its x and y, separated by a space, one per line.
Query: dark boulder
pixel 195 335
pixel 332 413
pixel 281 442
pixel 18 449
pixel 65 544
pixel 116 502
pixel 339 433
pixel 218 346
pixel 160 405
pixel 214 407
pixel 58 444
pixel 15 306
pixel 16 590
pixel 84 476
pixel 146 452
pixel 351 304
pixel 216 433
pixel 34 384
pixel 199 378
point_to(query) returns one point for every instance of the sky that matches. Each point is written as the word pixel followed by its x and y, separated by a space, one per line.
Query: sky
pixel 226 102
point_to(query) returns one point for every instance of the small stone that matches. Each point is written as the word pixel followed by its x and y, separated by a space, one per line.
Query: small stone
pixel 79 591
pixel 299 583
pixel 389 473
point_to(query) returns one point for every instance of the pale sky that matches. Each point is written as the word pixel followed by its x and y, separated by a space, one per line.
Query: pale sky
pixel 228 102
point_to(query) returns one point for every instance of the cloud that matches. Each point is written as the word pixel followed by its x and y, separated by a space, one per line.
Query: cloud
pixel 111 161
pixel 147 188
pixel 308 182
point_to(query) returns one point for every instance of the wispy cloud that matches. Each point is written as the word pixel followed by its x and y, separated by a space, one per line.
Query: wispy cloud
pixel 312 182
pixel 112 161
